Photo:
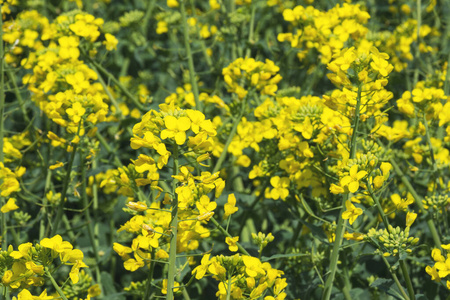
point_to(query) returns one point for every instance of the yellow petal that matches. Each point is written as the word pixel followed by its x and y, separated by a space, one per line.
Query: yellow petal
pixel 170 122
pixel 353 186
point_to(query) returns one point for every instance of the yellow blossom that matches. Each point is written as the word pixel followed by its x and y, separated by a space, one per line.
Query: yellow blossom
pixel 231 242
pixel 9 206
pixel 352 212
pixel 352 179
pixel 110 42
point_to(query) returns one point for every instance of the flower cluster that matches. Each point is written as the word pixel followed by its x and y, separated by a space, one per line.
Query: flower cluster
pixel 246 73
pixel 243 275
pixel 28 265
pixel 322 32
pixel 61 83
pixel 441 267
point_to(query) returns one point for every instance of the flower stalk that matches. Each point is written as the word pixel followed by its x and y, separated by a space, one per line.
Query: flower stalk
pixel 173 228
pixel 187 45
pixel 55 285
pixel 341 222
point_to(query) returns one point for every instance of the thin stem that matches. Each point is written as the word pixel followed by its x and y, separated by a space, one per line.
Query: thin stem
pixel 124 90
pixel 229 287
pixel 230 137
pixel 55 285
pixel 2 111
pixel 379 207
pixel 251 30
pixel 224 232
pixel 417 52
pixel 409 286
pixel 44 204
pixel 418 201
pixel 148 287
pixel 187 45
pixel 341 222
pixel 430 146
pixel 92 239
pixel 64 191
pixel 147 16
pixel 386 224
pixel 110 96
pixel 174 229
pixel 394 276
pixel 202 42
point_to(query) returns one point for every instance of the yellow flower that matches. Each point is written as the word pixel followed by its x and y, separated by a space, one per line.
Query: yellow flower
pixel 280 187
pixel 172 3
pixel 121 250
pixel 164 287
pixel 253 266
pixel 335 189
pixel 433 273
pixel 352 180
pixel 56 166
pixel 200 270
pixel 76 112
pixel 111 42
pixel 132 264
pixel 352 212
pixel 306 128
pixel 9 206
pixel 230 207
pixel 23 251
pixel 443 267
pixel 26 295
pixel 231 242
pixel 410 218
pixel 56 243
pixel 73 274
pixel 176 128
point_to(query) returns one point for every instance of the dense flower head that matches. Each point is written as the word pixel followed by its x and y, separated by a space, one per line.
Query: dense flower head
pixel 248 275
pixel 26 266
pixel 325 32
pixel 246 73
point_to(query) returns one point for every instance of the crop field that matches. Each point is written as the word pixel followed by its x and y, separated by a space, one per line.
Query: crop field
pixel 224 149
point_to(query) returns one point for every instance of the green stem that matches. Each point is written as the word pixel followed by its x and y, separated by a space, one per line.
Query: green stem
pixel 19 98
pixel 44 203
pixel 379 207
pixel 230 137
pixel 55 285
pixel 174 229
pixel 229 287
pixel 418 201
pixel 64 191
pixel 417 52
pixel 202 42
pixel 148 287
pixel 341 222
pixel 147 16
pixel 187 45
pixel 124 90
pixel 113 238
pixel 224 232
pixel 386 224
pixel 430 146
pixel 2 111
pixel 92 239
pixel 95 201
pixel 409 286
pixel 248 51
pixel 110 96
pixel 394 276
